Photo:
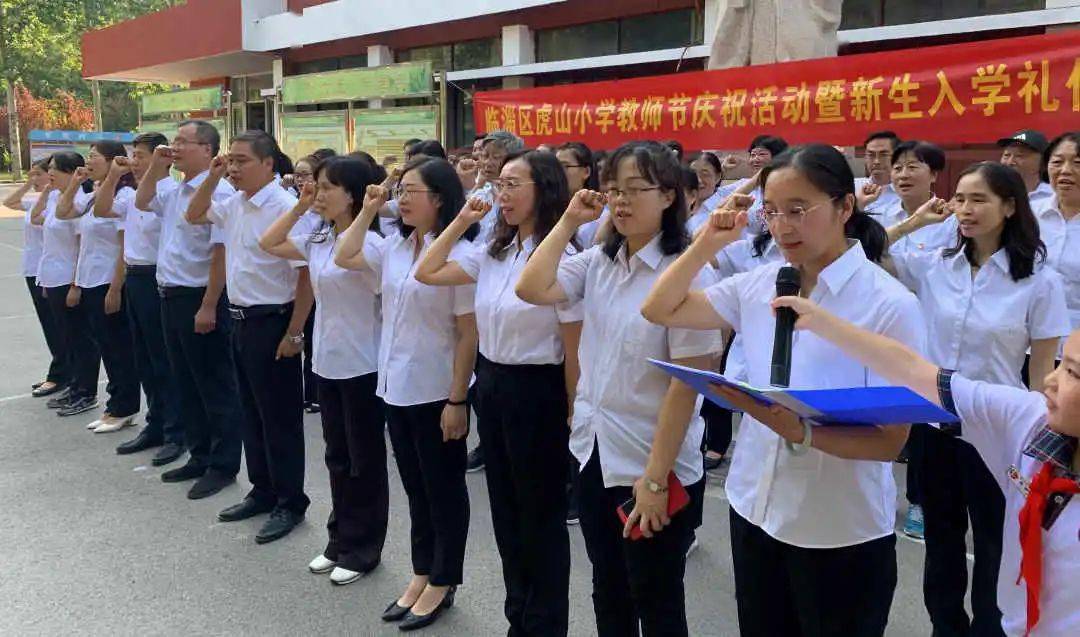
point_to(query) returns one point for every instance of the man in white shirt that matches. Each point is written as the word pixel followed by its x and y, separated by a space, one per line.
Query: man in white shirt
pixel 1023 152
pixel 268 333
pixel 191 282
pixel 875 192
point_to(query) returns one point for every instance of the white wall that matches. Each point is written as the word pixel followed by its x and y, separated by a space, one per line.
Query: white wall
pixel 352 18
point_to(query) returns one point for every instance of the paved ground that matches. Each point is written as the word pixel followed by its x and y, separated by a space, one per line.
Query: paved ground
pixel 94 543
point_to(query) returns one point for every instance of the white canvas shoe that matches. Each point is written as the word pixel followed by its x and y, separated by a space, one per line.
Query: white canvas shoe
pixel 115 424
pixel 321 565
pixel 343 576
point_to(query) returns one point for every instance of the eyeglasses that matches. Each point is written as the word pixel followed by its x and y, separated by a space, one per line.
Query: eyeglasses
pixel 180 142
pixel 760 154
pixel 631 193
pixel 507 186
pixel 400 191
pixel 793 216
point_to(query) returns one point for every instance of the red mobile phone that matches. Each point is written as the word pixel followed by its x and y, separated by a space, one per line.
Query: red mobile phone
pixel 678 498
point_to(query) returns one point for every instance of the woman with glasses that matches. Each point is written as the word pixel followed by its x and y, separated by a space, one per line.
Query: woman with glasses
pixel 633 425
pixel 426 358
pixel 812 521
pixel 346 335
pixel 526 375
pixel 56 277
pixel 987 301
pixel 581 173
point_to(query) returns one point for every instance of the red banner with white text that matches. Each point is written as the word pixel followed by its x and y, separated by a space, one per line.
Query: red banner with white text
pixel 959 93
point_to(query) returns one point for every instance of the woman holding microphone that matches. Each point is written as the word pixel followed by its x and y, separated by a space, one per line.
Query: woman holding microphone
pixel 526 370
pixel 426 358
pixel 812 536
pixel 633 425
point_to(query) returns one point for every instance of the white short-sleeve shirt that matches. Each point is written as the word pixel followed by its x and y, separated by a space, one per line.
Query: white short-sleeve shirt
pixel 982 326
pixel 888 199
pixel 927 238
pixel 1002 423
pixel 419 333
pixel 1062 239
pixel 142 228
pixel 99 248
pixel 586 234
pixel 60 243
pixel 786 494
pixel 252 275
pixel 348 313
pixel 513 332
pixel 185 250
pixel 33 237
pixel 1041 196
pixel 619 393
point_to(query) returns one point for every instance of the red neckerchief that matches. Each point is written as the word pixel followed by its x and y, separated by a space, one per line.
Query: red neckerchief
pixel 1031 521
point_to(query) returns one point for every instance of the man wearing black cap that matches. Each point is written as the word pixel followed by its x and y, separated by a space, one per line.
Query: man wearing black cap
pixel 1023 152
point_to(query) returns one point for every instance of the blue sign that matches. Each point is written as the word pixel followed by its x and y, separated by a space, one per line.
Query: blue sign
pixel 80 137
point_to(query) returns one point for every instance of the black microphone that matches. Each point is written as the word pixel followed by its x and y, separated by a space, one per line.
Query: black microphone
pixel 787 284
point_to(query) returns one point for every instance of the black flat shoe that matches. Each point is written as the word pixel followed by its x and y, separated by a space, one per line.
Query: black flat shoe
pixel 281 523
pixel 168 453
pixel 39 384
pixel 712 463
pixel 142 442
pixel 209 484
pixel 41 390
pixel 416 622
pixel 190 471
pixel 249 508
pixel 394 613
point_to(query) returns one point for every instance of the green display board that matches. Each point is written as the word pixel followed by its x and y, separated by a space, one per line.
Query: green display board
pixel 196 99
pixel 167 127
pixel 412 79
pixel 302 133
pixel 381 132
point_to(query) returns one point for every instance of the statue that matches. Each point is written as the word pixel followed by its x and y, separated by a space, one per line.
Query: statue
pixel 766 31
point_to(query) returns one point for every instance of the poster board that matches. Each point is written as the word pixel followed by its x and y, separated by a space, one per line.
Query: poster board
pixel 302 133
pixel 381 132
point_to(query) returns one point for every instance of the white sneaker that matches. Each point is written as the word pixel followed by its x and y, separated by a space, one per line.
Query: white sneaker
pixel 321 564
pixel 343 576
pixel 114 424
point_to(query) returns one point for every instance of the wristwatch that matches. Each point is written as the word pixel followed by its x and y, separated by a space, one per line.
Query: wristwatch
pixel 654 487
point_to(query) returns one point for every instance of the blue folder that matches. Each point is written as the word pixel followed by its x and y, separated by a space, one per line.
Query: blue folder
pixel 847 406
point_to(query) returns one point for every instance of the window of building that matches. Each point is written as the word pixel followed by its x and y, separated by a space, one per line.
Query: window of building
pixel 872 13
pixel 477 54
pixel 315 66
pixel 255 84
pixel 668 30
pixel 441 56
pixel 353 61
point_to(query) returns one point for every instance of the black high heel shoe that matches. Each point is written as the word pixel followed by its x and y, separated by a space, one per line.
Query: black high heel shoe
pixel 394 613
pixel 416 622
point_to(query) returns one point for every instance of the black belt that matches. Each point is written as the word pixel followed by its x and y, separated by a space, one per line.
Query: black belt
pixel 142 269
pixel 240 313
pixel 172 291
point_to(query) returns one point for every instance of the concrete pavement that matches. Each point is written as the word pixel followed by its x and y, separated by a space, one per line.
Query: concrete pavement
pixel 94 543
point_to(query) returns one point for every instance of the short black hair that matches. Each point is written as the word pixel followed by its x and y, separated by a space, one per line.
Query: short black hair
pixel 205 133
pixel 429 147
pixel 775 145
pixel 1071 136
pixel 893 138
pixel 150 140
pixel 322 154
pixel 927 153
pixel 263 145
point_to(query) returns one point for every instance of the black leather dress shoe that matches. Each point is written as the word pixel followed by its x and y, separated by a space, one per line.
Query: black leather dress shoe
pixel 61 399
pixel 168 453
pixel 416 622
pixel 249 508
pixel 142 442
pixel 394 613
pixel 190 471
pixel 41 390
pixel 209 484
pixel 281 523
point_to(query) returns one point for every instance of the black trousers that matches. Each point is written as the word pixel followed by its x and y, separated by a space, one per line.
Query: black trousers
pixel 112 335
pixel 311 380
pixel 796 592
pixel 272 404
pixel 960 486
pixel 637 584
pixel 717 427
pixel 914 447
pixel 205 377
pixel 151 358
pixel 353 424
pixel 83 357
pixel 433 474
pixel 524 434
pixel 58 366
